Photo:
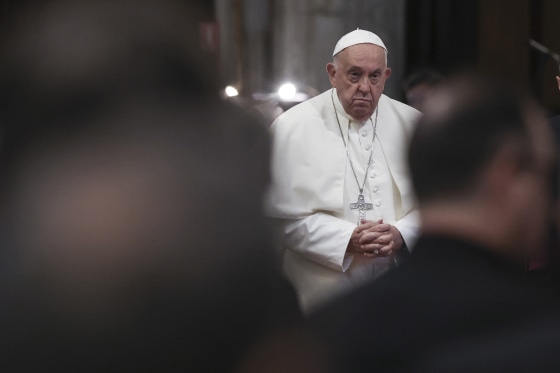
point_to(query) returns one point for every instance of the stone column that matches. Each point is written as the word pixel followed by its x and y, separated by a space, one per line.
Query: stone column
pixel 305 33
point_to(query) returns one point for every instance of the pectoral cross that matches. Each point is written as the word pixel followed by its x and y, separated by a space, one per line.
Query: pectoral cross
pixel 362 207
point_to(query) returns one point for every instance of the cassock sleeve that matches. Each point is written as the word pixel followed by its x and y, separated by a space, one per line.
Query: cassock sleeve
pixel 395 139
pixel 308 162
pixel 321 238
pixel 409 228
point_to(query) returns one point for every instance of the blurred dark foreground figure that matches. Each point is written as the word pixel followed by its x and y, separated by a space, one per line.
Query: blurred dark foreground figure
pixel 481 161
pixel 544 269
pixel 417 86
pixel 130 216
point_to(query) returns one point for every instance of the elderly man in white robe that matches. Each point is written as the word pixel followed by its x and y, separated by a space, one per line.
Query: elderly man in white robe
pixel 340 187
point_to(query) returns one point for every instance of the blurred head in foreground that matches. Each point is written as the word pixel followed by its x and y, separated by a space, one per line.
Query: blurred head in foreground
pixel 481 161
pixel 417 86
pixel 130 195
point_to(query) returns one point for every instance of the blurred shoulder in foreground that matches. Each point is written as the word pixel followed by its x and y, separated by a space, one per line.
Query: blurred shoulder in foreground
pixel 131 210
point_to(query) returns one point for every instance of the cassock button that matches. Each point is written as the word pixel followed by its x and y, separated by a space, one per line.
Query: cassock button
pixel 364 134
pixel 378 203
pixel 372 175
pixel 367 147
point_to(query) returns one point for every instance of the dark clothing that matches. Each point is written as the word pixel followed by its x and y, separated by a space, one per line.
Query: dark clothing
pixel 555 123
pixel 446 292
pixel 545 270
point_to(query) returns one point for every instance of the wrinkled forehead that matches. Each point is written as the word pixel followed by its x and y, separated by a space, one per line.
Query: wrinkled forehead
pixel 362 53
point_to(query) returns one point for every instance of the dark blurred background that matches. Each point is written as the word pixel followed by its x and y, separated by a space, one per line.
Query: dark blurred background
pixel 259 44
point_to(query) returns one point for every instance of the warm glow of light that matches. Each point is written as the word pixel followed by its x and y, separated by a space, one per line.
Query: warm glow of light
pixel 287 91
pixel 231 91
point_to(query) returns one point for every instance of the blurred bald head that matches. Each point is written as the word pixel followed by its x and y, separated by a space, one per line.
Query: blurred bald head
pixel 481 163
pixel 131 195
pixel 466 123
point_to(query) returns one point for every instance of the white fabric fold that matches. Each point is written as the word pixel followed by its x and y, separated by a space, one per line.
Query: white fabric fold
pixel 309 174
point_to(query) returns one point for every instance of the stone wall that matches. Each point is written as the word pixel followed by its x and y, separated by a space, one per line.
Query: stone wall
pixel 294 39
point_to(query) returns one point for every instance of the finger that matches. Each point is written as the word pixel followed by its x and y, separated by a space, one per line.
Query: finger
pixel 372 253
pixel 379 249
pixel 383 239
pixel 376 253
pixel 366 224
pixel 382 227
pixel 374 232
pixel 369 237
pixel 378 228
pixel 376 237
pixel 357 233
pixel 371 247
pixel 387 249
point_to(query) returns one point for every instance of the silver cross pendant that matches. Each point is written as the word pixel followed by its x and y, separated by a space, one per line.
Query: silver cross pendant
pixel 362 207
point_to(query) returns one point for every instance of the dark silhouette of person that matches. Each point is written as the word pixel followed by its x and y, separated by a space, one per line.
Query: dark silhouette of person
pixel 481 160
pixel 131 215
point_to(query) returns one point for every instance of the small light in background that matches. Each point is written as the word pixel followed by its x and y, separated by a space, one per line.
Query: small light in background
pixel 287 91
pixel 231 91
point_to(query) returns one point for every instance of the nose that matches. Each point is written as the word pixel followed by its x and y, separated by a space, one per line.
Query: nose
pixel 363 85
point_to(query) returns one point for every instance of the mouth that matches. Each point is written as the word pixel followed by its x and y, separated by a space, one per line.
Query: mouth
pixel 361 101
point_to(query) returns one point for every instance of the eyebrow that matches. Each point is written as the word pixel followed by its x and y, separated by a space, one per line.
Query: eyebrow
pixel 354 67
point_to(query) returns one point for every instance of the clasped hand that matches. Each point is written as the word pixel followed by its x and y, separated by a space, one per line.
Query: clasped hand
pixel 375 239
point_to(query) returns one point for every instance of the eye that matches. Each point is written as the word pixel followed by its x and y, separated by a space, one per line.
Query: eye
pixel 374 78
pixel 354 76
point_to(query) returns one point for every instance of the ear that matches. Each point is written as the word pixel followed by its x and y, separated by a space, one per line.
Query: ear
pixel 505 178
pixel 387 73
pixel 501 172
pixel 331 70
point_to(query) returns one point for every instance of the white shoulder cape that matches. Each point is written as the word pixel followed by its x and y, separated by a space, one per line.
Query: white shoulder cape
pixel 309 158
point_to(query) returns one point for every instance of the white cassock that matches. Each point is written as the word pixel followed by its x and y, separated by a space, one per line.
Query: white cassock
pixel 313 186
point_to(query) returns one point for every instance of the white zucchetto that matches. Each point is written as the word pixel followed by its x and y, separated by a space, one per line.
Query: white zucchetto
pixel 358 37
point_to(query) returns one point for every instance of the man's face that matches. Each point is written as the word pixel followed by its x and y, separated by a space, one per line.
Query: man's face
pixel 535 198
pixel 359 73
